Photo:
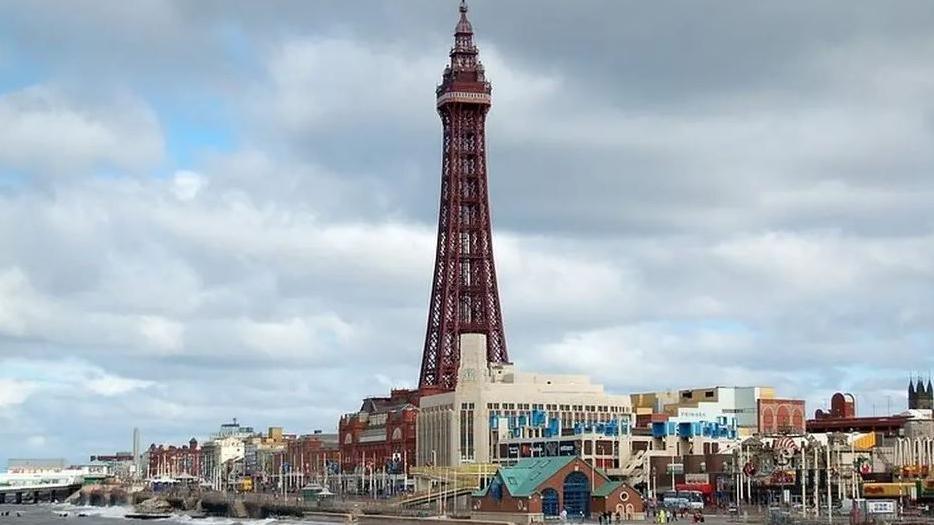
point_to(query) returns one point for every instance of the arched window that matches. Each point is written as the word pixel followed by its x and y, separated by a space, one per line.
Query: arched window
pixel 577 494
pixel 784 418
pixel 496 488
pixel 797 419
pixel 550 502
pixel 768 419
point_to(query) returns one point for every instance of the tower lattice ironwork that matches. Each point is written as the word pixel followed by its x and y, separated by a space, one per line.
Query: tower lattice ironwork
pixel 464 294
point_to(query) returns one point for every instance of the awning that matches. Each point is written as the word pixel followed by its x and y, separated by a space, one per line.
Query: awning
pixel 705 488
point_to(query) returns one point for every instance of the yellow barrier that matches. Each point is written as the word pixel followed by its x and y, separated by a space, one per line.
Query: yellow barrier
pixel 467 475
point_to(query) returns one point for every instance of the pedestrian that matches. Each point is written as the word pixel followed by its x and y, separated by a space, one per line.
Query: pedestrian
pixel 564 515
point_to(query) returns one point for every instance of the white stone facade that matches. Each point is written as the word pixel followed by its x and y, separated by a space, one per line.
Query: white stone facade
pixel 454 427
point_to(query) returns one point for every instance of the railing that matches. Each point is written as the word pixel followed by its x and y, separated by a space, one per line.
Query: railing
pixel 466 475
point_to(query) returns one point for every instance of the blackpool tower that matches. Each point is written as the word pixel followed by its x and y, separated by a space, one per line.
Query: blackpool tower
pixel 464 295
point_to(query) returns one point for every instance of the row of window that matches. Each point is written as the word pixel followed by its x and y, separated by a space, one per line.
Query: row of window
pixel 567 418
pixel 688 394
pixel 556 407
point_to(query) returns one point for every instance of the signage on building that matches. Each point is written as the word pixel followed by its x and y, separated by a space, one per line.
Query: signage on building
pixel 696 479
pixel 880 507
pixel 927 487
pixel 567 448
pixel 676 468
pixel 782 477
pixel 890 490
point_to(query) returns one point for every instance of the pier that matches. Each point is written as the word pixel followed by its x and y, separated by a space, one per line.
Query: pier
pixel 37 493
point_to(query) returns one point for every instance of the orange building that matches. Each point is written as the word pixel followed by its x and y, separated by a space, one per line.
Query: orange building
pixel 781 416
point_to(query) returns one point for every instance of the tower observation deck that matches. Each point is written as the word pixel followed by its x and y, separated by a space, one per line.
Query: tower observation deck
pixel 464 294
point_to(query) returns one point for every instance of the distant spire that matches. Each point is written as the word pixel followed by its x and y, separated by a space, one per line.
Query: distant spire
pixel 463 25
pixel 464 53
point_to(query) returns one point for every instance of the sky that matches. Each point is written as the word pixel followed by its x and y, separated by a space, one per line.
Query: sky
pixel 227 209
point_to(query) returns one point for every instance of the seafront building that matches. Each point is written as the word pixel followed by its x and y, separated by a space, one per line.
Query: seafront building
pixel 381 435
pixel 531 443
pixel 733 406
pixel 238 457
pixel 494 404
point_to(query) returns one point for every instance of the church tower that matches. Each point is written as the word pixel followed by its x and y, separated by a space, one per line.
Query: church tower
pixel 920 396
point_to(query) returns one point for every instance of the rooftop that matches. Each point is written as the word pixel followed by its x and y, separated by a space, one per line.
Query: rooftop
pixel 524 477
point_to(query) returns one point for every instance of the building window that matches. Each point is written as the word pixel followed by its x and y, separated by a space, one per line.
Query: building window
pixel 708 393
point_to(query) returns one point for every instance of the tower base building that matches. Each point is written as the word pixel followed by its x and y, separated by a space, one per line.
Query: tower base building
pixel 494 403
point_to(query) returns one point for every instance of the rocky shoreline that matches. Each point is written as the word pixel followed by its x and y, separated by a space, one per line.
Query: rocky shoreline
pixel 145 503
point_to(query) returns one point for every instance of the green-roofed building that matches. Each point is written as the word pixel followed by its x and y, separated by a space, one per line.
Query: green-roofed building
pixel 537 488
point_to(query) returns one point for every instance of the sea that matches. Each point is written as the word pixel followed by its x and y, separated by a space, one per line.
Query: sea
pixel 66 514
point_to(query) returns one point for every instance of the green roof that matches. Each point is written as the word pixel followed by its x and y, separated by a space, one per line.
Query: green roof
pixel 607 488
pixel 524 477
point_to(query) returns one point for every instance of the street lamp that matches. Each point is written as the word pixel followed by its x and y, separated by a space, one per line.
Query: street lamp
pixel 431 481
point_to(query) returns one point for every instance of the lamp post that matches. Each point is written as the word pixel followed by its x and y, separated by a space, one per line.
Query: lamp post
pixel 671 467
pixel 804 481
pixel 430 480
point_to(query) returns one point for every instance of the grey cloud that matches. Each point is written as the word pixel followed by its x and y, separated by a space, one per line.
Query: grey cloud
pixel 697 193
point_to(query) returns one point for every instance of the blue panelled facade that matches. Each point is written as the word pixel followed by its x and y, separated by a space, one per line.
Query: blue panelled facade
pixel 544 426
pixel 721 428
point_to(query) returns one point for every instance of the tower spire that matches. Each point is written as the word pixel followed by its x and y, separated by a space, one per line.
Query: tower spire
pixel 464 293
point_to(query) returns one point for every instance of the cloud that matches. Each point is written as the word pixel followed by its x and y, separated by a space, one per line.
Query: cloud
pixel 14 392
pixel 37 442
pixel 48 133
pixel 162 333
pixel 680 197
pixel 296 336
pixel 188 184
pixel 69 377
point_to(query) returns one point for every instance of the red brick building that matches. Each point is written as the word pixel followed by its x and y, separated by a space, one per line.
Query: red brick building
pixel 544 487
pixel 842 418
pixel 841 406
pixel 172 461
pixel 781 417
pixel 381 435
pixel 311 455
